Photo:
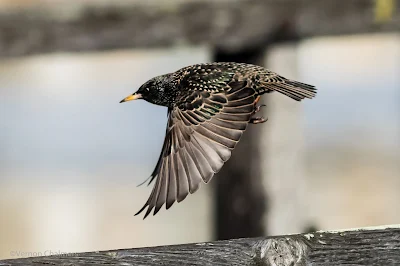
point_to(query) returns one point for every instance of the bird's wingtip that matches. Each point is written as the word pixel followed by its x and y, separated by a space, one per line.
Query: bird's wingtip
pixel 144 207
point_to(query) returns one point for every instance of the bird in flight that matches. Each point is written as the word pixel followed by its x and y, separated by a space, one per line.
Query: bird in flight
pixel 209 108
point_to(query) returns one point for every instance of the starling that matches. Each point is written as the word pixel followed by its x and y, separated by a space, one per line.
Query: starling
pixel 209 107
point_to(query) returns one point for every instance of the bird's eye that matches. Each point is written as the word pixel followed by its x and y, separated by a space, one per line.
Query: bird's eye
pixel 147 89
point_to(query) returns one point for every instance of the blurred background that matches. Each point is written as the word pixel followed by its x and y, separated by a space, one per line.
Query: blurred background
pixel 71 156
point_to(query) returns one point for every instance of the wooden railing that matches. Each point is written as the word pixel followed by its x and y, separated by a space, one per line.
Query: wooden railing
pixel 363 246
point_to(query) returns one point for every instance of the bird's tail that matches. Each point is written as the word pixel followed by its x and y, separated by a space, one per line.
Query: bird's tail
pixel 293 89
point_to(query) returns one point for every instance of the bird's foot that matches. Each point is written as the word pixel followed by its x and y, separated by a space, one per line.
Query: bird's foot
pixel 258 108
pixel 258 120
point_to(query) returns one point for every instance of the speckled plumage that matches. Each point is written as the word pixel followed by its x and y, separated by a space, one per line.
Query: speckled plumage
pixel 209 107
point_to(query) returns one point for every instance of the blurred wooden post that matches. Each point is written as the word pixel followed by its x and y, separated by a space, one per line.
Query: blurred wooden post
pixel 240 197
pixel 283 150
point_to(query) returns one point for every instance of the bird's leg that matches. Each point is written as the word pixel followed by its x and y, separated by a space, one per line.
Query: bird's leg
pixel 257 107
pixel 257 120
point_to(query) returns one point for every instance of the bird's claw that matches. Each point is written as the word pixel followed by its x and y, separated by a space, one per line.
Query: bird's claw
pixel 258 108
pixel 258 120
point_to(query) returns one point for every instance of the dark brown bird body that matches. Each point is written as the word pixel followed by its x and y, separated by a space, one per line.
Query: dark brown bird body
pixel 209 108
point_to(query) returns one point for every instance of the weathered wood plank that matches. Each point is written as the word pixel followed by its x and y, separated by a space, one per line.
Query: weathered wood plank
pixel 368 246
pixel 229 25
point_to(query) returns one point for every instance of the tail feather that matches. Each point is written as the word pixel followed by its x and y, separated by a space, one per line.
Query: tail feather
pixel 293 89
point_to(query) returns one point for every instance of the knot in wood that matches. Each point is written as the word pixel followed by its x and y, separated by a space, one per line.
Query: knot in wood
pixel 280 252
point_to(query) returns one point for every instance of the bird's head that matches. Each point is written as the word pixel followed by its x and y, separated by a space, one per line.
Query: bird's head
pixel 156 90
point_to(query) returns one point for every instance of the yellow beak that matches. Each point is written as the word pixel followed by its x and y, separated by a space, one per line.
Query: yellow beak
pixel 132 97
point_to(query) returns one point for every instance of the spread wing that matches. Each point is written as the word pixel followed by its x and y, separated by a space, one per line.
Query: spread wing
pixel 201 133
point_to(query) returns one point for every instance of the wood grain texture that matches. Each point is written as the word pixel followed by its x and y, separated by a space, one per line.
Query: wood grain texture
pixel 229 25
pixel 376 246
